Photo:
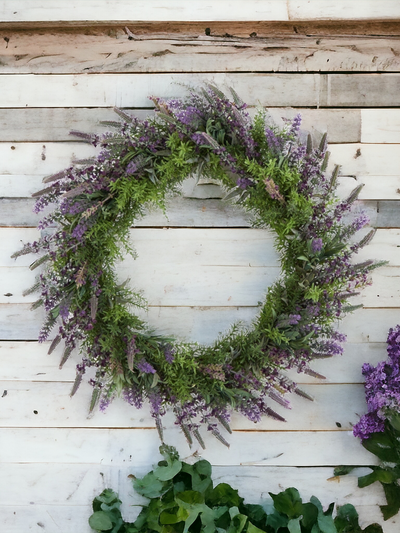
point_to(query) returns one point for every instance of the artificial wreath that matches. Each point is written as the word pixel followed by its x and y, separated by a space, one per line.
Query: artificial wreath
pixel 281 180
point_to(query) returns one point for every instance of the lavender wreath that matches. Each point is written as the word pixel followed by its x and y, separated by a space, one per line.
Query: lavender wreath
pixel 271 173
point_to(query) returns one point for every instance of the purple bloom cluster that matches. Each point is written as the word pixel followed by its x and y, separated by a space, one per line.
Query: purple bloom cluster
pixel 382 389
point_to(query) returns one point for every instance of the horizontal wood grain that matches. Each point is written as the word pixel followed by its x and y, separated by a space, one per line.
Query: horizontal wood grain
pixel 343 125
pixel 371 161
pixel 29 361
pixel 201 324
pixel 186 212
pixel 165 281
pixel 133 90
pixel 116 51
pixel 192 212
pixel 224 30
pixel 46 405
pixel 23 10
pixel 139 446
pixel 54 124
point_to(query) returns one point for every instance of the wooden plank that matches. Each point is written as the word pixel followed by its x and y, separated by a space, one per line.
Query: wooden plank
pixel 29 361
pixel 375 187
pixel 139 447
pixel 175 283
pixel 313 9
pixel 140 10
pixel 384 246
pixel 133 90
pixel 48 496
pixel 104 52
pixel 380 125
pixel 54 124
pixel 224 30
pixel 48 405
pixel 85 10
pixel 362 90
pixel 186 212
pixel 201 324
pixel 361 161
pixel 366 159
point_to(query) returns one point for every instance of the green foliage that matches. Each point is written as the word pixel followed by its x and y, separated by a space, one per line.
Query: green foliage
pixel 183 500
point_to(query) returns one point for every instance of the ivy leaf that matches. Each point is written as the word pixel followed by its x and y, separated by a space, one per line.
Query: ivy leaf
pixel 392 493
pixel 149 486
pixel 379 474
pixel 238 521
pixel 224 494
pixel 383 446
pixel 288 502
pixel 165 473
pixel 251 528
pixel 343 470
pixel 277 520
pixel 100 521
pixel 310 516
pixel 294 525
pixel 347 519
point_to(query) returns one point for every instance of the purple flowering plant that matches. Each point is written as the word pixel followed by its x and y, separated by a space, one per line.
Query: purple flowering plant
pixel 270 172
pixel 379 428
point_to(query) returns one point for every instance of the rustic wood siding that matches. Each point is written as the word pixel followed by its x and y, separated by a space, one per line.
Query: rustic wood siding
pixel 202 267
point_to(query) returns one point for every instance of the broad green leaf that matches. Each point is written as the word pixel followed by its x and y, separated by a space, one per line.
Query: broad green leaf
pixel 310 516
pixel 256 514
pixel 379 474
pixel 100 521
pixel 326 523
pixel 167 517
pixel 224 494
pixel 343 470
pixel 164 473
pixel 251 528
pixel 392 493
pixel 149 486
pixel 189 497
pixel 294 525
pixel 346 519
pixel 288 502
pixel 383 446
pixel 238 521
pixel 277 520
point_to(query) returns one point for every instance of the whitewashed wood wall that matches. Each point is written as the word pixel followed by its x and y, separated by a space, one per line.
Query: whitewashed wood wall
pixel 63 66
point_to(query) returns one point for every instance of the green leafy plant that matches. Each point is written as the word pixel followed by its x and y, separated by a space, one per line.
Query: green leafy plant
pixel 183 499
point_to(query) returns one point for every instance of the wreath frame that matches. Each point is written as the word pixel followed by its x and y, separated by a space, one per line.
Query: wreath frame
pixel 273 173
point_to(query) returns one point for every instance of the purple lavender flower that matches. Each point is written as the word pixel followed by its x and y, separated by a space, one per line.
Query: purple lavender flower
pixel 145 367
pixel 243 183
pixel 316 245
pixel 131 168
pixel 382 389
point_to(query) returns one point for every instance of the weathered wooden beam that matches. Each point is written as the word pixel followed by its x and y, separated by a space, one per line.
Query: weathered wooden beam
pixel 223 30
pixel 117 51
